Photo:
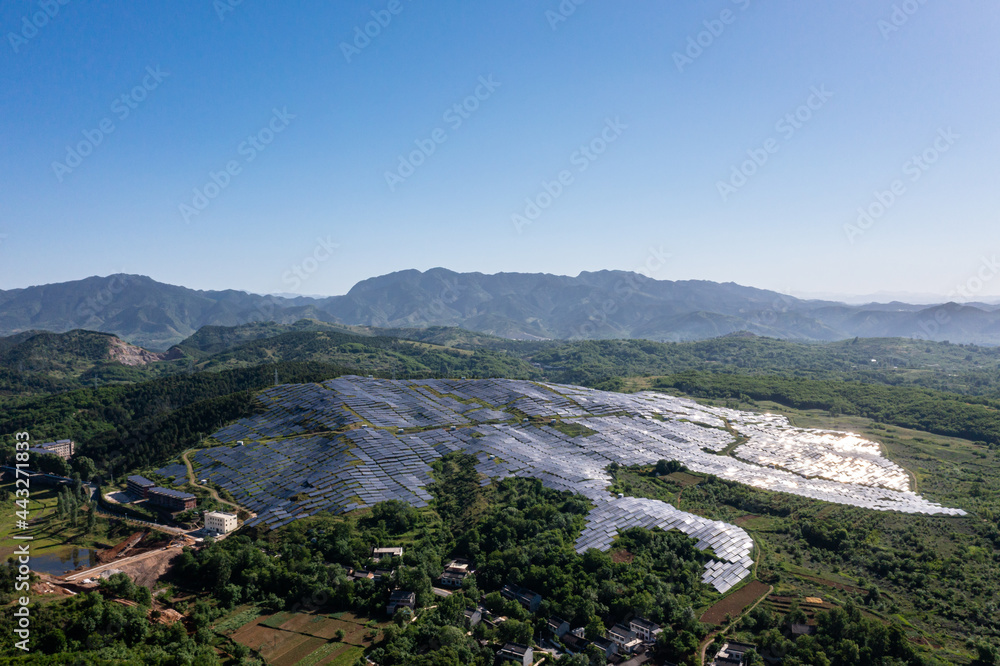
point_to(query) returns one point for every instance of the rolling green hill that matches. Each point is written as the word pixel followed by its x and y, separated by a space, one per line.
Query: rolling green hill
pixel 924 582
pixel 372 355
pixel 41 362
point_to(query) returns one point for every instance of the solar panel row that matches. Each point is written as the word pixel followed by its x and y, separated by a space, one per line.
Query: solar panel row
pixel 284 473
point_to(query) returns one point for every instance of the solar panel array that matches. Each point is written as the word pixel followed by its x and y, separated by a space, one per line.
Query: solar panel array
pixel 730 544
pixel 830 455
pixel 177 472
pixel 352 442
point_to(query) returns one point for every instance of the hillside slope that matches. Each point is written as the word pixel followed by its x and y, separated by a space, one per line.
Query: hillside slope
pixel 522 306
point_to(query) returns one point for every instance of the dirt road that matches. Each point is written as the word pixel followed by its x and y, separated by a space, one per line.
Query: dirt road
pixel 708 639
pixel 126 562
pixel 215 495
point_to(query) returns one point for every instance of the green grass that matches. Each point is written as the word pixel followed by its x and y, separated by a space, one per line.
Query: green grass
pixel 236 618
pixel 685 479
pixel 954 566
pixel 275 621
pixel 319 654
pixel 346 658
pixel 573 428
pixel 47 531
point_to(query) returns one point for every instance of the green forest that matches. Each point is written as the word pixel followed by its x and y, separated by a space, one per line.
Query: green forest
pixel 896 589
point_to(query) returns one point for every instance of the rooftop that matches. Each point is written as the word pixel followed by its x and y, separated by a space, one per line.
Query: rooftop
pixel 169 492
pixel 645 624
pixel 515 649
pixel 402 595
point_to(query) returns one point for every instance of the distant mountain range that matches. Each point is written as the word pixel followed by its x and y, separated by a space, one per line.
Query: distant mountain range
pixel 526 306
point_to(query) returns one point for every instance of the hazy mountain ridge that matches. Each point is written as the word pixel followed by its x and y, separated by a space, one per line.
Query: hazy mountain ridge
pixel 528 306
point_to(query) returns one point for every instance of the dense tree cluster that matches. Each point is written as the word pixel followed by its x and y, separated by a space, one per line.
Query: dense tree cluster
pixel 98 628
pixel 515 532
pixel 844 637
pixel 975 419
pixel 126 427
pixel 965 369
pixel 940 572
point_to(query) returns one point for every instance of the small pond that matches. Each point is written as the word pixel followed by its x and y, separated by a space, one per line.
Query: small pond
pixel 57 561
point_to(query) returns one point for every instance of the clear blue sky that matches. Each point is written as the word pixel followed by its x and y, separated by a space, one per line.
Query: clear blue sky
pixel 672 131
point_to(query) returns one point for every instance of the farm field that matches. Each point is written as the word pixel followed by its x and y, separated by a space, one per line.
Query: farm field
pixel 294 638
pixel 733 604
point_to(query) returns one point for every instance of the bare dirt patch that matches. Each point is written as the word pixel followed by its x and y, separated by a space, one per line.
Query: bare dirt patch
pixel 148 571
pixel 295 650
pixel 46 586
pixel 734 604
pixel 622 556
pixel 319 626
pixel 128 354
pixel 298 622
pixel 327 628
pixel 120 548
pixel 259 637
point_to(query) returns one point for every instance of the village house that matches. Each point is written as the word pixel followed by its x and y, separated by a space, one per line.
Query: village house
pixel 647 631
pixel 558 626
pixel 456 572
pixel 515 652
pixel 624 638
pixel 379 553
pixel 401 599
pixel 733 654
pixel 525 597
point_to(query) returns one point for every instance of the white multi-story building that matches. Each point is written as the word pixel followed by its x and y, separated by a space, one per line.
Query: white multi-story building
pixel 63 448
pixel 219 522
pixel 644 629
pixel 624 638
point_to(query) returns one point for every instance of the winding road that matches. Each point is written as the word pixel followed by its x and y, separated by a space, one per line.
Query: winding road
pixel 212 491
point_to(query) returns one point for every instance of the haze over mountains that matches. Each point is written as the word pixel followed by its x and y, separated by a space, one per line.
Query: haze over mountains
pixel 603 304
